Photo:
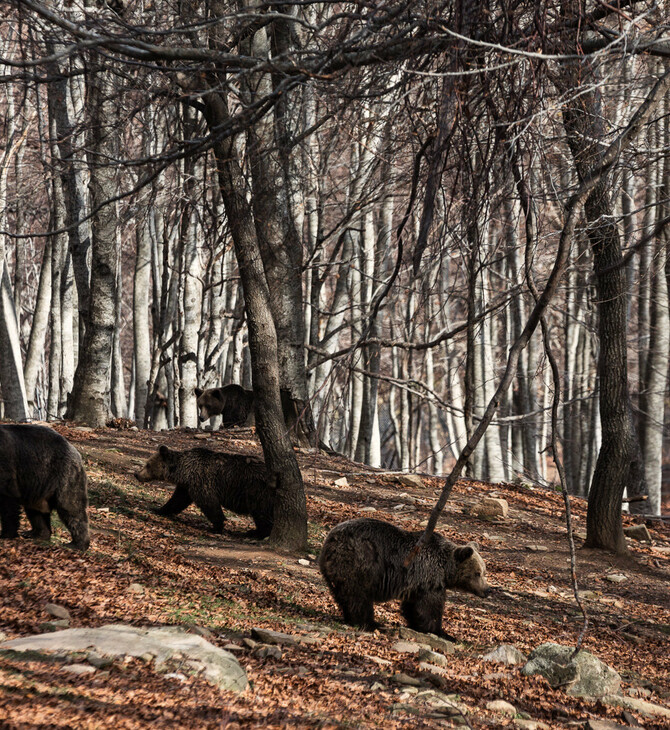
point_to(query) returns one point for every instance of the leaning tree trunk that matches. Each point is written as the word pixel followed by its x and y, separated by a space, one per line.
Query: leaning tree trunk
pixel 90 400
pixel 290 514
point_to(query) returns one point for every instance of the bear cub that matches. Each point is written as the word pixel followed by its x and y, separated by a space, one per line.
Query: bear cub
pixel 214 480
pixel 363 563
pixel 41 471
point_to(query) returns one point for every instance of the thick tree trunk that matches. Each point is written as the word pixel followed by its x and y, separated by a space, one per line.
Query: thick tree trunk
pixel 90 400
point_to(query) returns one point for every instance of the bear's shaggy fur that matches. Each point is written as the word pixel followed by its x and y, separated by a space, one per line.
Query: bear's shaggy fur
pixel 214 480
pixel 232 402
pixel 41 471
pixel 363 563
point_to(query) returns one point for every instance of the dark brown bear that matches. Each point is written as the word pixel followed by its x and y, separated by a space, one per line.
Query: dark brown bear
pixel 363 563
pixel 232 402
pixel 41 471
pixel 213 480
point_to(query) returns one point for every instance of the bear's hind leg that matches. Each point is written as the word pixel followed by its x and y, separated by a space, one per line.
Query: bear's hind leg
pixel 177 503
pixel 10 517
pixel 263 528
pixel 358 610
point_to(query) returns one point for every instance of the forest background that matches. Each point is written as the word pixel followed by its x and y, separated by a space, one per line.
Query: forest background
pixel 394 211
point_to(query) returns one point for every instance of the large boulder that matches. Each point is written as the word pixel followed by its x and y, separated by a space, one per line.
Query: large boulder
pixel 581 676
pixel 217 666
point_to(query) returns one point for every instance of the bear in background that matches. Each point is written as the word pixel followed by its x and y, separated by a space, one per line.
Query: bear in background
pixel 214 480
pixel 41 471
pixel 232 402
pixel 363 563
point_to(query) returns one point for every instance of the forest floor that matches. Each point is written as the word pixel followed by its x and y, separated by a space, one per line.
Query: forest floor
pixel 148 570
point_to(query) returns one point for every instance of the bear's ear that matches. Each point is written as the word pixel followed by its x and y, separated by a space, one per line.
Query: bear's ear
pixel 463 553
pixel 198 392
pixel 164 451
pixel 474 546
pixel 219 393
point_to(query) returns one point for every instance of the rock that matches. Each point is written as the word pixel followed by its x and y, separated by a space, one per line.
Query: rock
pixel 341 482
pixel 436 643
pixel 218 667
pixel 369 509
pixel 406 647
pixel 505 654
pixel 54 625
pixel 502 707
pixel 616 577
pixel 309 640
pixel 79 669
pixel 377 686
pixel 401 707
pixel 405 679
pixel 491 508
pixel 304 562
pixel 582 676
pixel 270 650
pixel 409 480
pixel 98 661
pixel 273 637
pixel 432 668
pixel 136 588
pixel 537 548
pixel 249 643
pixel 378 660
pixel 201 631
pixel 530 724
pixel 648 709
pixel 605 725
pixel 637 532
pixel 427 655
pixel 53 609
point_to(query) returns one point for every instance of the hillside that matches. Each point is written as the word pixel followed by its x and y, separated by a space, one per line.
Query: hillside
pixel 148 570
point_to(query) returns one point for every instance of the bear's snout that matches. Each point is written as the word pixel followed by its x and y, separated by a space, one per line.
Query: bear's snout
pixel 141 476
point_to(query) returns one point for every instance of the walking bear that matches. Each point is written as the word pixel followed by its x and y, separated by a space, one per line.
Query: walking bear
pixel 233 402
pixel 214 480
pixel 363 563
pixel 41 471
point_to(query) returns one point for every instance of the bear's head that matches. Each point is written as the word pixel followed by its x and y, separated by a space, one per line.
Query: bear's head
pixel 210 402
pixel 158 466
pixel 471 571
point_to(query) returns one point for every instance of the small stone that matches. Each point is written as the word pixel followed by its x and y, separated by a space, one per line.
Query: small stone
pixel 526 724
pixel 273 637
pixel 637 532
pixel 233 647
pixel 405 679
pixel 136 588
pixel 537 548
pixel 304 562
pixel 406 647
pixel 263 652
pixel 309 640
pixel 436 643
pixel 378 660
pixel 249 643
pixel 491 508
pixel 202 631
pixel 410 480
pixel 432 668
pixel 605 725
pixel 616 577
pixel 369 509
pixel 341 482
pixel 103 509
pixel 79 669
pixel 54 625
pixel 98 661
pixel 648 709
pixel 501 706
pixel 506 654
pixel 377 686
pixel 407 498
pixel 433 657
pixel 53 609
pixel 176 675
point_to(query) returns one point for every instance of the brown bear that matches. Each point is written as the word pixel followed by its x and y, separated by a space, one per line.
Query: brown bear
pixel 214 480
pixel 363 563
pixel 41 471
pixel 232 402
